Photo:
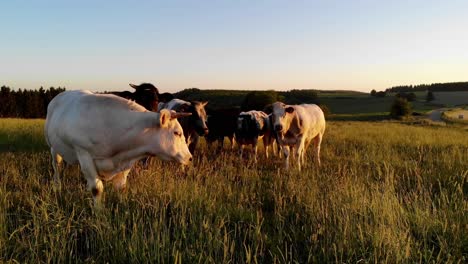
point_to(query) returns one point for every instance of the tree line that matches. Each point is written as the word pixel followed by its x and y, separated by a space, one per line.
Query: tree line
pixel 248 100
pixel 435 87
pixel 26 103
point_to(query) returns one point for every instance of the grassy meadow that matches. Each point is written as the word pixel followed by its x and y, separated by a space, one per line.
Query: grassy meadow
pixel 385 193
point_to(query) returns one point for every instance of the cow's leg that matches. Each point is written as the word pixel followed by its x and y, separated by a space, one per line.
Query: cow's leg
pixel 266 144
pixel 279 147
pixel 306 147
pixel 233 142
pixel 300 156
pixel 241 150
pixel 286 156
pixel 317 142
pixel 193 144
pixel 57 164
pixel 255 148
pixel 274 148
pixel 90 173
pixel 120 180
pixel 220 143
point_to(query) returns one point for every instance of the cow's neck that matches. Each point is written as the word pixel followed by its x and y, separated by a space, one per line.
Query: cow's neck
pixel 294 124
pixel 107 168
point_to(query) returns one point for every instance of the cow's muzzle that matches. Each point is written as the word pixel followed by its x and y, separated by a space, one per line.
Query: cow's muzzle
pixel 278 128
pixel 184 160
pixel 203 132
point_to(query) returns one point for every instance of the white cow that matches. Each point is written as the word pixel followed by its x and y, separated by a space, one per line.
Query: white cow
pixel 296 126
pixel 106 134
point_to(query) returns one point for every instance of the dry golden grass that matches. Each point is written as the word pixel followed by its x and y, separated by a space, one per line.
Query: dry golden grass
pixel 386 192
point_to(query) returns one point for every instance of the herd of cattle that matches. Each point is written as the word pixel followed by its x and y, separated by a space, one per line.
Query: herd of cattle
pixel 107 133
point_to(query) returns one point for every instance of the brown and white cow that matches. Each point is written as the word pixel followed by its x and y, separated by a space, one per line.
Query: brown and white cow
pixel 106 134
pixel 253 126
pixel 194 126
pixel 297 126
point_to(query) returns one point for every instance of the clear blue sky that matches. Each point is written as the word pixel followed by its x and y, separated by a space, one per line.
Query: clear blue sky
pixel 280 45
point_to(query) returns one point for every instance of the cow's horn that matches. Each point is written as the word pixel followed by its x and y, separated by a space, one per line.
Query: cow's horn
pixel 133 85
pixel 179 114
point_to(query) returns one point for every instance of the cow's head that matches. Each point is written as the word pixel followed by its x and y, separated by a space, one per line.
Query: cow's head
pixel 281 116
pixel 146 95
pixel 170 141
pixel 198 119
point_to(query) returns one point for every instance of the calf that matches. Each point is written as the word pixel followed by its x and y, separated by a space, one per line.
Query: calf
pixel 106 134
pixel 194 126
pixel 297 126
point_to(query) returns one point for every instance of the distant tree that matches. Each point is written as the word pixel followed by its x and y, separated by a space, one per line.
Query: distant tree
pixel 373 92
pixel 186 94
pixel 7 102
pixel 439 87
pixel 257 100
pixel 408 96
pixel 411 97
pixel 381 94
pixel 430 96
pixel 26 103
pixel 296 96
pixel 400 108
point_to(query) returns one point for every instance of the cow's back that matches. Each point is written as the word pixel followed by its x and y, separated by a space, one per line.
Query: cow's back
pixel 311 118
pixel 81 119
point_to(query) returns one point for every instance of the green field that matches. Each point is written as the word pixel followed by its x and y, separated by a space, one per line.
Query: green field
pixel 385 193
pixel 366 104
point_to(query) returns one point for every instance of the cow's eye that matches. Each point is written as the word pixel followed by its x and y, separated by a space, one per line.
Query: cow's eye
pixel 177 133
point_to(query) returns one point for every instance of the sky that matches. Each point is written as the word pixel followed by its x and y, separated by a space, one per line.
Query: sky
pixel 245 45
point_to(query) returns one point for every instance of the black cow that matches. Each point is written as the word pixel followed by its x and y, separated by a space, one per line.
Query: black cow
pixel 145 95
pixel 222 123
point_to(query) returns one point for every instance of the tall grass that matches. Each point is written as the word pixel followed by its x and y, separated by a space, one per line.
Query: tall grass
pixel 385 192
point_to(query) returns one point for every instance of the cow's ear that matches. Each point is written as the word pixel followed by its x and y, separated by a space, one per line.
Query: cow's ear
pixel 164 118
pixel 133 85
pixel 289 109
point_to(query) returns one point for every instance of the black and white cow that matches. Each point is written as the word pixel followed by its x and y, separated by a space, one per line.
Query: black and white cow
pixel 194 125
pixel 253 126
